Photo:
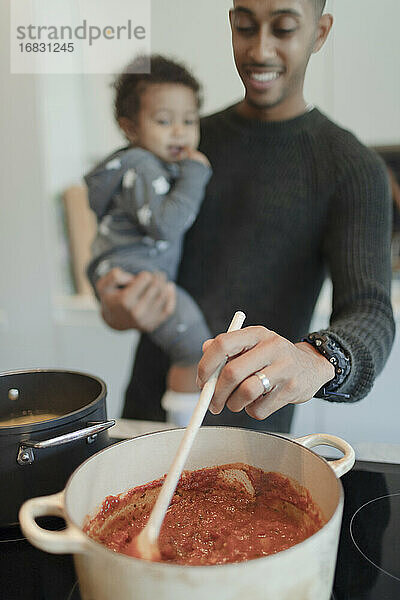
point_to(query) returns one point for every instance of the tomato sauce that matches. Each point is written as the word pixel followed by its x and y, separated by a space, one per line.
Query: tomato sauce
pixel 211 521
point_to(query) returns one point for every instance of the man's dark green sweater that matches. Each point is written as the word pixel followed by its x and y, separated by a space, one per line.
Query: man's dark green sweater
pixel 289 203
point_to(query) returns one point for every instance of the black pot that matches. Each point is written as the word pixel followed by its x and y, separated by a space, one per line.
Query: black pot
pixel 37 458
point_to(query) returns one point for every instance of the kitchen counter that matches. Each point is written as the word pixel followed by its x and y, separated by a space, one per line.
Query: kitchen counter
pixel 384 453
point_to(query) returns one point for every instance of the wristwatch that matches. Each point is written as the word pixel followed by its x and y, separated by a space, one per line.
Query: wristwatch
pixel 333 352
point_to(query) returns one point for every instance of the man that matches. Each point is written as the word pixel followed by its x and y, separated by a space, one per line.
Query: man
pixel 292 196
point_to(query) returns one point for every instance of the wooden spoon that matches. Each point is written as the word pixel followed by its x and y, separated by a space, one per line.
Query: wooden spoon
pixel 145 544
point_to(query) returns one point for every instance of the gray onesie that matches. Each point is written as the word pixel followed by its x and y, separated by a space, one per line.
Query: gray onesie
pixel 143 207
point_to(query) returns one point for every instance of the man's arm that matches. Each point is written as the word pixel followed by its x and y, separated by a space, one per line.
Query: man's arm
pixel 142 301
pixel 357 250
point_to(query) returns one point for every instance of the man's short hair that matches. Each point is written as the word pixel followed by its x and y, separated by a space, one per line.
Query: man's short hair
pixel 130 84
pixel 319 6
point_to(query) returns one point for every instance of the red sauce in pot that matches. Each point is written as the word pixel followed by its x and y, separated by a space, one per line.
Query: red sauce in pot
pixel 212 522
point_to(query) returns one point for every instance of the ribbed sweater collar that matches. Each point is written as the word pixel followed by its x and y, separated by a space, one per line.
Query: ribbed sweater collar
pixel 306 121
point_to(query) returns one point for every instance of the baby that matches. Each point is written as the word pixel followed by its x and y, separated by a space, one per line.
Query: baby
pixel 147 195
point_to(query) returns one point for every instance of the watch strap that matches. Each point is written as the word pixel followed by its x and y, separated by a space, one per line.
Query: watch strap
pixel 332 351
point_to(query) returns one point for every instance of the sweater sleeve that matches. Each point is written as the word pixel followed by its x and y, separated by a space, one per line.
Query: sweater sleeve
pixel 357 251
pixel 164 212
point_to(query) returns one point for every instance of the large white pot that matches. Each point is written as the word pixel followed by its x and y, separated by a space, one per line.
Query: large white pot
pixel 303 572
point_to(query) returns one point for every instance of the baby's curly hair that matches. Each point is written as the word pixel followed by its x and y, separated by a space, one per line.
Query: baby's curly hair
pixel 130 84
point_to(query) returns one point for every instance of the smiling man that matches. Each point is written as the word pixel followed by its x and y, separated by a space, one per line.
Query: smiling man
pixel 293 197
pixel 272 44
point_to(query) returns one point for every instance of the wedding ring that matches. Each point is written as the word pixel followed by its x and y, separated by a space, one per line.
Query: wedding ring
pixel 267 387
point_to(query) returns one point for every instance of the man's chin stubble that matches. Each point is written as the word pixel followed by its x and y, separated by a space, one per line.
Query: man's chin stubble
pixel 263 106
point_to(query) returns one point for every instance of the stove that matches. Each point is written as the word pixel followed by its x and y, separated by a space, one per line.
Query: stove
pixel 368 564
pixel 26 573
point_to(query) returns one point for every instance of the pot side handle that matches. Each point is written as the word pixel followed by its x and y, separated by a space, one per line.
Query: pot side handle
pixel 68 541
pixel 26 449
pixel 340 466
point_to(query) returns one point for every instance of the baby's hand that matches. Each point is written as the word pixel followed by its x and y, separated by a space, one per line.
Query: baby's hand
pixel 195 155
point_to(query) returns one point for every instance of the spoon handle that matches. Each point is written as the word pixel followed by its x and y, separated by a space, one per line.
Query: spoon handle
pixel 157 515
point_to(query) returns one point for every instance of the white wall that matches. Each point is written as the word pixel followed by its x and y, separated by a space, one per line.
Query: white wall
pixel 54 127
pixel 367 69
pixel 42 151
pixel 25 263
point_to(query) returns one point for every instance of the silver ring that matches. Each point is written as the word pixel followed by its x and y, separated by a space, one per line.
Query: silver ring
pixel 267 387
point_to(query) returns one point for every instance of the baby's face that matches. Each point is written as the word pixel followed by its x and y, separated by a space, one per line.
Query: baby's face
pixel 168 120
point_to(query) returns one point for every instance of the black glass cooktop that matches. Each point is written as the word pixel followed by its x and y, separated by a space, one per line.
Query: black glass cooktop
pixel 368 565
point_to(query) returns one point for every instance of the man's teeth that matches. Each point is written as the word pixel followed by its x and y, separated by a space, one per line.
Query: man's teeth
pixel 264 76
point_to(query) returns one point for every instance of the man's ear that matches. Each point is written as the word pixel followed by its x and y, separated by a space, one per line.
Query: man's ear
pixel 128 127
pixel 323 28
pixel 231 18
